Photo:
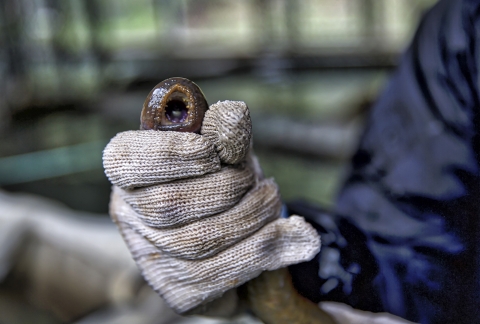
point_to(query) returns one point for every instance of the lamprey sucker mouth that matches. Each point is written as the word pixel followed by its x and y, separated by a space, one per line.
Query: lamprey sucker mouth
pixel 175 104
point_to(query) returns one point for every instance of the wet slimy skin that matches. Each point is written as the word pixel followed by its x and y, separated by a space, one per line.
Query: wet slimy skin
pixel 175 104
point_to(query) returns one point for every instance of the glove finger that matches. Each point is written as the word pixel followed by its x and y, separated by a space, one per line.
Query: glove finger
pixel 183 201
pixel 228 126
pixel 213 234
pixel 185 284
pixel 143 158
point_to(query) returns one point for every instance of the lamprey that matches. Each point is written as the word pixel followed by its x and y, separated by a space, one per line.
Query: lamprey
pixel 178 104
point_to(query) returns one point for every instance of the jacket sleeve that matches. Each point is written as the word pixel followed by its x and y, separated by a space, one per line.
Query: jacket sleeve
pixel 404 235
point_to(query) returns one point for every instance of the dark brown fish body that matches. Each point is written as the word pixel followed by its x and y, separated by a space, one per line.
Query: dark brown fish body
pixel 175 104
pixel 178 104
pixel 273 299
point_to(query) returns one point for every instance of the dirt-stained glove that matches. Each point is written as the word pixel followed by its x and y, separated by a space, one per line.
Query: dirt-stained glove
pixel 195 212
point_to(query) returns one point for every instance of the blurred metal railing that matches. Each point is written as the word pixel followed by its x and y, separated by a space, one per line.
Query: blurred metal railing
pixel 57 51
pixel 73 73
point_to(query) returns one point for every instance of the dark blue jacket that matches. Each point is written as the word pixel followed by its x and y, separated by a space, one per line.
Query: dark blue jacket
pixel 404 237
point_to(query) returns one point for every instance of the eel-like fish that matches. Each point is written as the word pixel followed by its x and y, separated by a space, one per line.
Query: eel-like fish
pixel 178 104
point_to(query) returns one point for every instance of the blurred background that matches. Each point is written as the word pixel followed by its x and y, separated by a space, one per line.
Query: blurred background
pixel 74 73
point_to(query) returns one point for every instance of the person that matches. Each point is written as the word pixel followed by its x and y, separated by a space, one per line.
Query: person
pixel 402 237
pixel 407 219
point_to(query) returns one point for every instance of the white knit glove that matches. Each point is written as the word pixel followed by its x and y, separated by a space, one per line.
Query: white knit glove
pixel 194 211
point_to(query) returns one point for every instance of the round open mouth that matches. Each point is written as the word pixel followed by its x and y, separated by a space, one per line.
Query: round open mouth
pixel 176 111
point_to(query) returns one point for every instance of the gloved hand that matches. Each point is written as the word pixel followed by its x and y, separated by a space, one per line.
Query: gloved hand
pixel 195 212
